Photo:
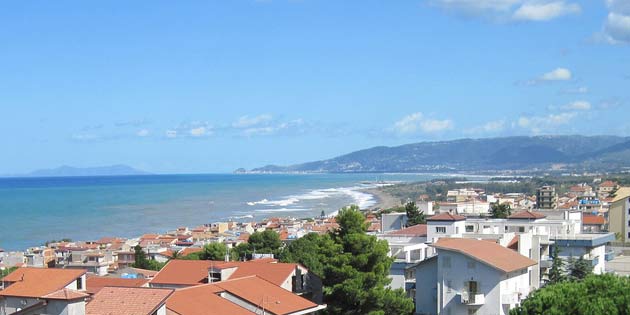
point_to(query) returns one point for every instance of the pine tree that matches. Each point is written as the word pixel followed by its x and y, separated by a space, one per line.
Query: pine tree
pixel 556 272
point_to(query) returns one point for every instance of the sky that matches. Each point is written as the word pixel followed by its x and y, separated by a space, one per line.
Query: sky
pixel 211 86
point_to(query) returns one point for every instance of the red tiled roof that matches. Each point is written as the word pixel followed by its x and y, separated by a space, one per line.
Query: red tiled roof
pixel 127 301
pixel 65 294
pixel 446 217
pixel 608 183
pixel 593 219
pixel 416 230
pixel 202 300
pixel 527 215
pixel 489 253
pixel 514 243
pixel 95 284
pixel 38 282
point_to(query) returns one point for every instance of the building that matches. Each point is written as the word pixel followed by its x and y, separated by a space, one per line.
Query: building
pixel 240 296
pixel 593 223
pixel 619 214
pixel 606 188
pixel 546 197
pixel 407 247
pixel 129 301
pixel 43 291
pixel 469 276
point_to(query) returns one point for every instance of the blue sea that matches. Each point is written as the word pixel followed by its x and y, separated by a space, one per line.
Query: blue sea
pixel 34 210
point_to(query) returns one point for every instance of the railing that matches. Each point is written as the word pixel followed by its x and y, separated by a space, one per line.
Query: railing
pixel 470 298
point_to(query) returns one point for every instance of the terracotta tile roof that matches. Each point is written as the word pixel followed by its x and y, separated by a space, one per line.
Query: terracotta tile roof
pixel 608 183
pixel 527 215
pixel 258 293
pixel 38 282
pixel 127 301
pixel 489 253
pixel 514 243
pixel 189 250
pixel 416 230
pixel 65 294
pixel 446 217
pixel 195 272
pixel 95 284
pixel 147 273
pixel 593 219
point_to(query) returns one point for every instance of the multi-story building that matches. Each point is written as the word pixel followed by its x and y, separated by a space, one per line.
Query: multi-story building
pixel 619 214
pixel 546 197
pixel 606 188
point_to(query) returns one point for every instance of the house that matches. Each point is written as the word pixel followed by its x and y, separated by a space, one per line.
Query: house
pixel 95 283
pixel 291 277
pixel 469 276
pixel 593 223
pixel 239 296
pixel 606 188
pixel 444 224
pixel 128 301
pixel 43 291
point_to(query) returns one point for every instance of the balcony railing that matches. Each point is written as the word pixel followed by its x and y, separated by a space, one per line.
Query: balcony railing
pixel 470 298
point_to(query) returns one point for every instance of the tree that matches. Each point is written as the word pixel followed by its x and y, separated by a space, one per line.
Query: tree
pixel 353 266
pixel 556 272
pixel 213 251
pixel 177 254
pixel 580 269
pixel 500 211
pixel 6 271
pixel 414 215
pixel 266 242
pixel 142 262
pixel 240 252
pixel 322 214
pixel 595 295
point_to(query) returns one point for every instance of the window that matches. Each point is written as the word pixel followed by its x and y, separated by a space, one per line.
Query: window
pixel 472 264
pixel 506 228
pixel 470 228
pixel 521 229
pixel 79 283
pixel 449 285
pixel 440 229
pixel 446 262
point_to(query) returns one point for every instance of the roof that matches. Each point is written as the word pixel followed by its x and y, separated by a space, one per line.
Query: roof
pixel 593 219
pixel 195 272
pixel 622 193
pixel 127 301
pixel 95 284
pixel 65 294
pixel 205 299
pixel 446 217
pixel 528 215
pixel 38 282
pixel 416 230
pixel 608 183
pixel 490 253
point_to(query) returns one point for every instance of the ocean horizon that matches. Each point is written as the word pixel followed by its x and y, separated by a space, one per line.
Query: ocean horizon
pixel 34 210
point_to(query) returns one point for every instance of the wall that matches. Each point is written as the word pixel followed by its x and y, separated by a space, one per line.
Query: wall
pixel 426 287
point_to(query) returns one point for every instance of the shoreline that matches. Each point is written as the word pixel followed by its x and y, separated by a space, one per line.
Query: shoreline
pixel 383 200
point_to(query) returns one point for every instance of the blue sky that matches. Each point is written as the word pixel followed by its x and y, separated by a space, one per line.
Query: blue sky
pixel 210 86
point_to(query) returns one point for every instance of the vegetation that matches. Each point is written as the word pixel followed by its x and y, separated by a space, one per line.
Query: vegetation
pixel 6 271
pixel 595 295
pixel 143 262
pixel 579 269
pixel 414 215
pixel 500 211
pixel 213 251
pixel 353 266
pixel 556 272
pixel 266 242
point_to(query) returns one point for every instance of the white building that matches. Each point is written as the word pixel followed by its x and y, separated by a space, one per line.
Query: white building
pixel 470 276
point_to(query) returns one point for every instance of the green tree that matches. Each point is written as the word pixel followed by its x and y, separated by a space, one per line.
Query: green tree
pixel 6 271
pixel 240 252
pixel 353 266
pixel 143 262
pixel 556 272
pixel 414 215
pixel 213 251
pixel 580 269
pixel 266 242
pixel 595 295
pixel 500 211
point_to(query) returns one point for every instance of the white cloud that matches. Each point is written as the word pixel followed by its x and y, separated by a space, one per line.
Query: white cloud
pixel 558 74
pixel 171 133
pixel 505 10
pixel 578 90
pixel 273 129
pixel 541 11
pixel 538 124
pixel 617 24
pixel 246 121
pixel 198 131
pixel 415 122
pixel 577 105
pixel 142 133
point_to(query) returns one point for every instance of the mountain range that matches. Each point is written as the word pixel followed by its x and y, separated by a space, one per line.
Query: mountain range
pixel 69 171
pixel 536 153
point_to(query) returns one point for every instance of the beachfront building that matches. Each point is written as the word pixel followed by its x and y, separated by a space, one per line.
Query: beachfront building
pixel 469 276
pixel 546 197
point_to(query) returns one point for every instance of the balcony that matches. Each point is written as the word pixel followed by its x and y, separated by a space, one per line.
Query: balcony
pixel 610 255
pixel 470 298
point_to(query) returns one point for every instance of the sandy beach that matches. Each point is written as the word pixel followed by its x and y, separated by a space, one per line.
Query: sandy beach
pixel 383 199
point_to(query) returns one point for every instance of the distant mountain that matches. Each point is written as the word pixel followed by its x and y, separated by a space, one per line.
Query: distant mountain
pixel 68 171
pixel 491 154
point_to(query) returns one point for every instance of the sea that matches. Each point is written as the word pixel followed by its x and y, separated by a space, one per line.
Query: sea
pixel 36 210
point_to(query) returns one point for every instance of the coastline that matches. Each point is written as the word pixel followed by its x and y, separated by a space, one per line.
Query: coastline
pixel 383 199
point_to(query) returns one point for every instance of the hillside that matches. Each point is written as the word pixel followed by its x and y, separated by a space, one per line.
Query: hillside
pixel 491 154
pixel 68 171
